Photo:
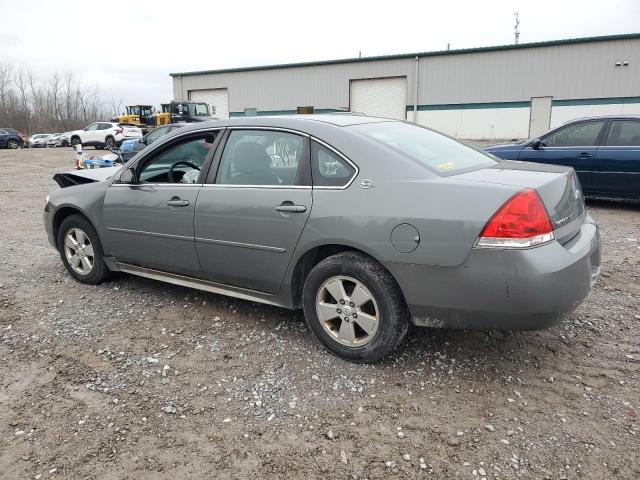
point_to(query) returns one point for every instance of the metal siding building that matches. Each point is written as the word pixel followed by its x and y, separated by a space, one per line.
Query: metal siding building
pixel 511 91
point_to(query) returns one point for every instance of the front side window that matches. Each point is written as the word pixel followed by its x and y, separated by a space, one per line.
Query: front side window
pixel 624 133
pixel 439 153
pixel 260 157
pixel 92 127
pixel 180 163
pixel 328 168
pixel 578 135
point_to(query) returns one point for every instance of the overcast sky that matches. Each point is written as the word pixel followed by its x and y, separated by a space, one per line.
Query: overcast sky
pixel 128 48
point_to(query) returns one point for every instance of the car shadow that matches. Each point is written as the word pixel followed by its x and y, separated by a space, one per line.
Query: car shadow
pixel 610 204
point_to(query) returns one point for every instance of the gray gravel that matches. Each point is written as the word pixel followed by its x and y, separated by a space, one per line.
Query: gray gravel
pixel 138 379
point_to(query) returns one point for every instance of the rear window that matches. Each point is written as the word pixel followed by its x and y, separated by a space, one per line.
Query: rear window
pixel 439 153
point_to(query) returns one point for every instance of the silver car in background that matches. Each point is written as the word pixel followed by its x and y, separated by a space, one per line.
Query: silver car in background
pixel 38 140
pixel 367 224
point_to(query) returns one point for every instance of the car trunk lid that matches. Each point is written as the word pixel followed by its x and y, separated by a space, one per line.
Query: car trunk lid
pixel 557 186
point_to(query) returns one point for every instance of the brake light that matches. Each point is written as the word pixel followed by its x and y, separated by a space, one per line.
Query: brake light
pixel 521 222
pixel 117 130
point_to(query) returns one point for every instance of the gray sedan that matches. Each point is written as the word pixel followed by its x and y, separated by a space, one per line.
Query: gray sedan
pixel 367 224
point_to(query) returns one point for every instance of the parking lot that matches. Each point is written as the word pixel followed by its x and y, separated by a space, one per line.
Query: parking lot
pixel 139 379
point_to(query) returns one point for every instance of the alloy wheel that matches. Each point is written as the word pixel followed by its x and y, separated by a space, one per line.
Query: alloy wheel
pixel 12 144
pixel 79 251
pixel 347 311
pixel 110 143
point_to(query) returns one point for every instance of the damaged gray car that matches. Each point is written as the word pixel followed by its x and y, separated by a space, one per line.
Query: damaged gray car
pixel 367 224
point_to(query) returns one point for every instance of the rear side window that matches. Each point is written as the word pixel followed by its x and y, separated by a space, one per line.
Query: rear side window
pixel 624 133
pixel 328 168
pixel 260 157
pixel 577 135
pixel 439 153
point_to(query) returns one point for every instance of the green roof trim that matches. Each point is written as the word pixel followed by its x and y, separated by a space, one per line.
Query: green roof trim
pixel 520 46
pixel 595 101
pixel 470 106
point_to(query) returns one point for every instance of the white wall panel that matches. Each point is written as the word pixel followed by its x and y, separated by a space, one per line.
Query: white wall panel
pixel 480 123
pixel 561 114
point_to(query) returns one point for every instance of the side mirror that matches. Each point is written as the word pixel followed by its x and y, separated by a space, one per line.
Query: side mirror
pixel 128 175
pixel 536 144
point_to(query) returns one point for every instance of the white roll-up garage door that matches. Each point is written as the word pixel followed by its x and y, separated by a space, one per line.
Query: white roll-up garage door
pixel 216 97
pixel 380 97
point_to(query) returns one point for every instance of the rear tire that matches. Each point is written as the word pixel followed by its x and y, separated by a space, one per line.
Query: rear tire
pixel 12 144
pixel 370 319
pixel 81 250
pixel 110 143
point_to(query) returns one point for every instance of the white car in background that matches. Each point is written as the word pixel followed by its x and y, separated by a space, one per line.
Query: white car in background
pixel 64 140
pixel 105 134
pixel 52 141
pixel 38 140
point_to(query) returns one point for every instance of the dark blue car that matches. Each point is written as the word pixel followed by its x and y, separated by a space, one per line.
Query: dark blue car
pixel 11 138
pixel 604 151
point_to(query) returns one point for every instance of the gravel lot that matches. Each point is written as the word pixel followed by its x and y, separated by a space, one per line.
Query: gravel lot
pixel 138 379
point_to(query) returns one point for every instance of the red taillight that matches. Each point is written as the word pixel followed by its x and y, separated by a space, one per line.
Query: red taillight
pixel 522 221
pixel 117 130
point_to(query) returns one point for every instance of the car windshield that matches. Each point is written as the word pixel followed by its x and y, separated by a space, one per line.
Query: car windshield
pixel 199 110
pixel 439 153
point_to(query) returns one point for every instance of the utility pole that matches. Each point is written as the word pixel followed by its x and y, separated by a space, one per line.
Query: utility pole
pixel 515 27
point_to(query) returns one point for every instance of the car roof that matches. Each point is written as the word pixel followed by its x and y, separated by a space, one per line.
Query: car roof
pixel 624 116
pixel 296 122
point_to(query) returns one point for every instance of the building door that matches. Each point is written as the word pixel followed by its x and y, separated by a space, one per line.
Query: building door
pixel 217 98
pixel 540 117
pixel 380 97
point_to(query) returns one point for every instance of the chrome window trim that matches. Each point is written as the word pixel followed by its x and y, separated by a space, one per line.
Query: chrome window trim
pixel 277 187
pixel 155 185
pixel 544 147
pixel 161 141
pixel 619 146
pixel 276 129
pixel 344 157
pixel 270 129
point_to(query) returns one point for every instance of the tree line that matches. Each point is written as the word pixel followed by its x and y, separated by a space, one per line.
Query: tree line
pixel 58 104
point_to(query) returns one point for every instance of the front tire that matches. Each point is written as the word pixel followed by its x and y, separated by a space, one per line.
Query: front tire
pixel 12 144
pixel 81 250
pixel 75 141
pixel 354 307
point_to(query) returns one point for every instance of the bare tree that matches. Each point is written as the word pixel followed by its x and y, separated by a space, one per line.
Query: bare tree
pixel 58 103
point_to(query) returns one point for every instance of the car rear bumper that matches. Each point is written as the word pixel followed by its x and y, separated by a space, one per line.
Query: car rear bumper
pixel 527 289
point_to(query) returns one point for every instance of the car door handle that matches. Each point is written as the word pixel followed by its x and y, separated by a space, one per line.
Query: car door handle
pixel 585 155
pixel 290 207
pixel 177 202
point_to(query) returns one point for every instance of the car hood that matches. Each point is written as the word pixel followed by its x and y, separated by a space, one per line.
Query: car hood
pixel 80 177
